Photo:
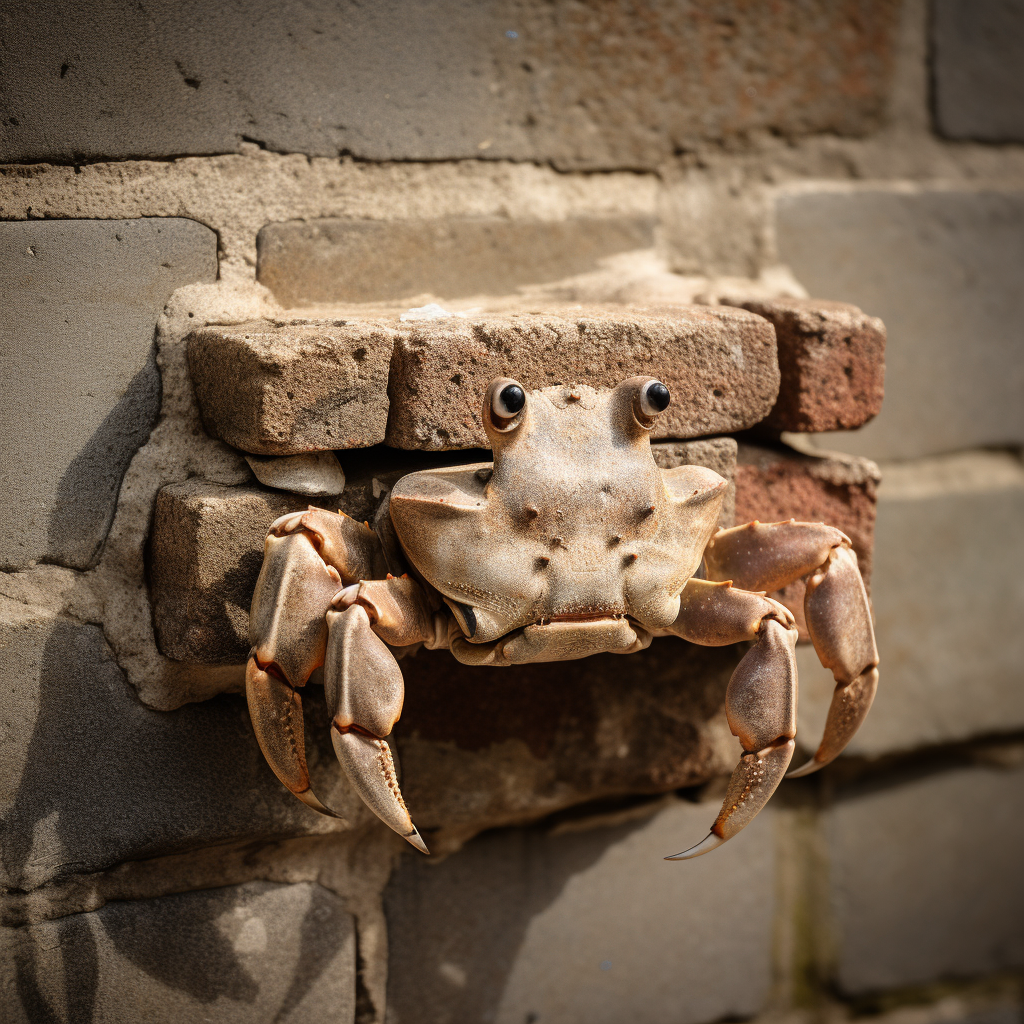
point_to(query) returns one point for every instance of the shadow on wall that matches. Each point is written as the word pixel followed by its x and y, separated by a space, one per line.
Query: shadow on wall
pixel 86 497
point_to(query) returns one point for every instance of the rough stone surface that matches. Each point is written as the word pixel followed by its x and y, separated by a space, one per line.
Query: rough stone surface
pixel 325 261
pixel 977 53
pixel 719 363
pixel 90 777
pixel 954 377
pixel 484 747
pixel 256 953
pixel 777 483
pixel 925 879
pixel 289 387
pixel 81 387
pixel 587 87
pixel 947 590
pixel 585 926
pixel 831 364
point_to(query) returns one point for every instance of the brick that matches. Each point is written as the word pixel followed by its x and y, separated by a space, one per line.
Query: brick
pixel 977 51
pixel 438 80
pixel 831 364
pixel 777 483
pixel 942 268
pixel 925 879
pixel 719 363
pixel 284 388
pixel 90 777
pixel 947 591
pixel 81 387
pixel 324 261
pixel 585 926
pixel 256 953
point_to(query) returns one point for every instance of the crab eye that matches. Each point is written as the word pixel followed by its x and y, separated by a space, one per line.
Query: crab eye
pixel 654 398
pixel 508 402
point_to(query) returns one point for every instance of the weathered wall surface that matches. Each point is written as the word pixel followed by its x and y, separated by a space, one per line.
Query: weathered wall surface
pixel 309 167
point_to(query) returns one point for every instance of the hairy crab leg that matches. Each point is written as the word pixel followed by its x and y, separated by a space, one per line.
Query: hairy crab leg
pixel 760 701
pixel 365 690
pixel 307 558
pixel 768 556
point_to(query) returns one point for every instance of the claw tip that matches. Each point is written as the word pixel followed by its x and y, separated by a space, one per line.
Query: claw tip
pixel 706 845
pixel 415 840
pixel 805 769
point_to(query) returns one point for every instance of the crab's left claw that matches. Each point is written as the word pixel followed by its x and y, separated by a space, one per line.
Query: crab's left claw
pixel 365 691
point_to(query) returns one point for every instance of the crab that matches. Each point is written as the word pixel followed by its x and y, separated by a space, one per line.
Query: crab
pixel 571 542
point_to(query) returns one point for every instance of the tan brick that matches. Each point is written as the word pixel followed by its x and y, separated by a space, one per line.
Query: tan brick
pixel 719 363
pixel 280 388
pixel 831 364
pixel 334 260
pixel 776 483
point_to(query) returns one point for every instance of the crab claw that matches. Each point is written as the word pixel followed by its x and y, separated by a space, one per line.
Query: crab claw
pixel 839 621
pixel 365 691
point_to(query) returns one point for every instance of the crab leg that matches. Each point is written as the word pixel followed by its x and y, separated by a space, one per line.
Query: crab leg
pixel 365 689
pixel 768 556
pixel 288 630
pixel 760 702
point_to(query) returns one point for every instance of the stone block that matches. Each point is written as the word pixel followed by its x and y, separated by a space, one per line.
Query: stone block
pixel 947 589
pixel 586 926
pixel 777 483
pixel 324 261
pixel 435 80
pixel 925 879
pixel 977 52
pixel 942 268
pixel 89 777
pixel 256 953
pixel 81 387
pixel 719 363
pixel 831 364
pixel 284 388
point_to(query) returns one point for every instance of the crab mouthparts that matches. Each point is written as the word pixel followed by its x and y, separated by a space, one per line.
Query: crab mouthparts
pixel 582 617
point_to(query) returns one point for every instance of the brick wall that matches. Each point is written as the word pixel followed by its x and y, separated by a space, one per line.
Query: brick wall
pixel 211 219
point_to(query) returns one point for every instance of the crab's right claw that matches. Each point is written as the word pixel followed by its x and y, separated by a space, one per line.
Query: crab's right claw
pixel 365 691
pixel 761 707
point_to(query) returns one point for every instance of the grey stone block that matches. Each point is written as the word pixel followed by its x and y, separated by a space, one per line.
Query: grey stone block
pixel 249 954
pixel 81 387
pixel 943 270
pixel 90 777
pixel 433 80
pixel 585 926
pixel 925 879
pixel 326 261
pixel 977 53
pixel 948 589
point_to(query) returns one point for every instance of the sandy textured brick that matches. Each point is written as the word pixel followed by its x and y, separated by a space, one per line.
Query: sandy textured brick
pixel 925 879
pixel 776 483
pixel 719 363
pixel 277 388
pixel 831 364
pixel 586 925
pixel 257 953
pixel 335 260
pixel 580 86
